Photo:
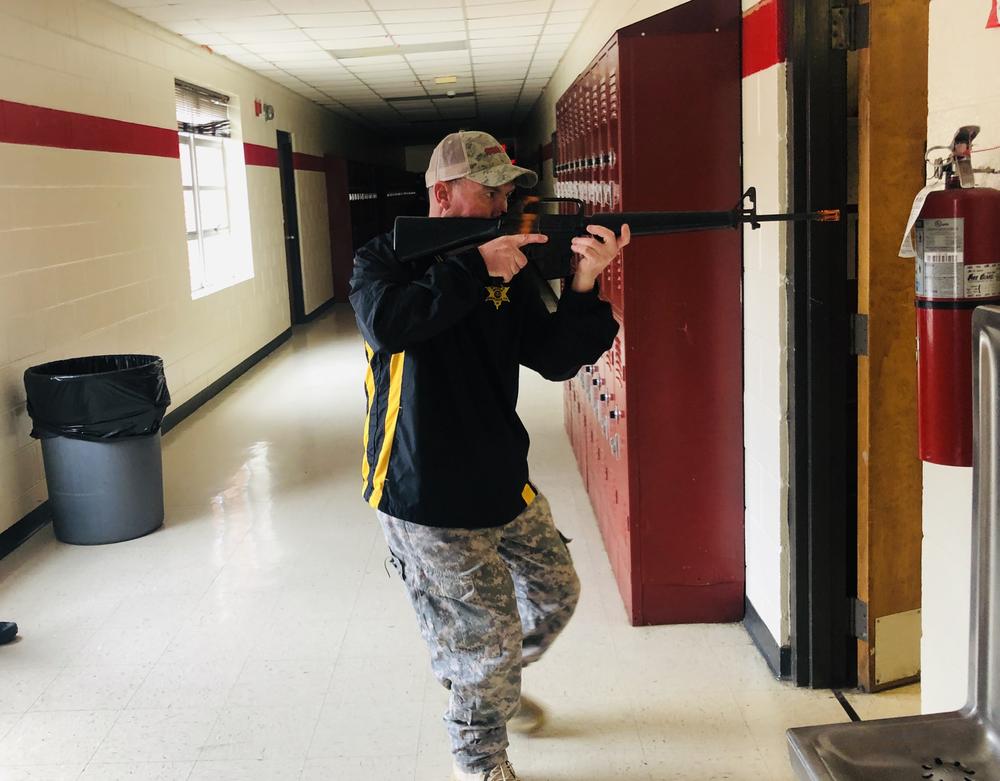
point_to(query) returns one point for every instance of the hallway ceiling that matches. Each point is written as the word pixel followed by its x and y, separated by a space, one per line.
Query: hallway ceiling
pixel 376 61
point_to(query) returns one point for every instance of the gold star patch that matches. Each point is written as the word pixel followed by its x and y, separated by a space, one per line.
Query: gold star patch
pixel 497 295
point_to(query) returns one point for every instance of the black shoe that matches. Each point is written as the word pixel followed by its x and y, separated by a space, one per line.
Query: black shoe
pixel 8 631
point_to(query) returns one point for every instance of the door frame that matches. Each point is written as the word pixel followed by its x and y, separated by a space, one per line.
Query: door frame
pixel 822 537
pixel 290 222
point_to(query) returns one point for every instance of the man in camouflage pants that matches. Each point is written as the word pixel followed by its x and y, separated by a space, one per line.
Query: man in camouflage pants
pixel 445 463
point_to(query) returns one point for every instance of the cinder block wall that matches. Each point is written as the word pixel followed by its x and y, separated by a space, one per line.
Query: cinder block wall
pixel 963 89
pixel 93 256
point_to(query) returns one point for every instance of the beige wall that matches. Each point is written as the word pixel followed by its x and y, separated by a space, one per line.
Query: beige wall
pixel 963 89
pixel 92 244
pixel 766 309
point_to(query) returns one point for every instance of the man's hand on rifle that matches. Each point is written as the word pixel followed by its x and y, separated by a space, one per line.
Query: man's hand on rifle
pixel 503 256
pixel 596 252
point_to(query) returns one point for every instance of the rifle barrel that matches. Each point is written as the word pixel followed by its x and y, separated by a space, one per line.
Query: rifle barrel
pixel 651 223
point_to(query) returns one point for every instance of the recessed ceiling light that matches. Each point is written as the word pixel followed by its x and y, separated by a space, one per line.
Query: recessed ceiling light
pixel 411 48
pixel 445 79
pixel 447 95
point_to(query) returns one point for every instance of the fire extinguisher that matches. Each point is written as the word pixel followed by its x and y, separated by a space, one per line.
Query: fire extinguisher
pixel 957 269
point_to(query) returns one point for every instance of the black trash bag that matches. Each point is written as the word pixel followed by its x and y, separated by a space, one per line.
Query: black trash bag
pixel 97 398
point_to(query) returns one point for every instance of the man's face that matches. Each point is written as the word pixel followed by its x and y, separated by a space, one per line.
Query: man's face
pixel 472 199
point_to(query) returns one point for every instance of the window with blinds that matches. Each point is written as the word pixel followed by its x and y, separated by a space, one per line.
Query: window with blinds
pixel 204 133
pixel 201 111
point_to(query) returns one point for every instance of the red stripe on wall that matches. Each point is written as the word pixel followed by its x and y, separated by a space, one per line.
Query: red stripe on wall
pixel 21 123
pixel 763 36
pixel 255 154
pixel 304 162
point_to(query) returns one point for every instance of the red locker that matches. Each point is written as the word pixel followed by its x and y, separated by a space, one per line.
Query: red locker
pixel 654 123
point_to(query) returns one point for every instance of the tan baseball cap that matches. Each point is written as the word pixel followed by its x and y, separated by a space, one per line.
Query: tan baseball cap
pixel 477 156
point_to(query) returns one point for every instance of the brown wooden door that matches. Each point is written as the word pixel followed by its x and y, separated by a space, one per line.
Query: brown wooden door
pixel 892 120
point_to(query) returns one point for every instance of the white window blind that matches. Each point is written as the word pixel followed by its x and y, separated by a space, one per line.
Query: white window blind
pixel 201 111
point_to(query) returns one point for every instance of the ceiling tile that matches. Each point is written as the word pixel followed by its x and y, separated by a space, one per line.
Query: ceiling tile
pixel 398 5
pixel 268 36
pixel 287 47
pixel 338 76
pixel 498 78
pixel 429 38
pixel 557 29
pixel 316 58
pixel 309 72
pixel 565 39
pixel 318 6
pixel 358 31
pixel 249 60
pixel 250 23
pixel 353 43
pixel 334 19
pixel 230 48
pixel 511 25
pixel 505 53
pixel 456 56
pixel 490 34
pixel 560 17
pixel 508 9
pixel 513 45
pixel 414 28
pixel 500 56
pixel 420 15
pixel 372 62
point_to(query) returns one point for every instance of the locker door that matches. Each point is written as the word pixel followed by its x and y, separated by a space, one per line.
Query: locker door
pixel 684 314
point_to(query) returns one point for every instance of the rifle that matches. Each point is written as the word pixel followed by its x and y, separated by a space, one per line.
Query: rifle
pixel 418 237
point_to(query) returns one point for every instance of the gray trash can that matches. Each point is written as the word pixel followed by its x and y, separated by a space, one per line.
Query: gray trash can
pixel 99 422
pixel 104 491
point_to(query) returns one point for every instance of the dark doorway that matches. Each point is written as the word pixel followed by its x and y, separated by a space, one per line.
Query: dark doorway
pixel 286 165
pixel 824 413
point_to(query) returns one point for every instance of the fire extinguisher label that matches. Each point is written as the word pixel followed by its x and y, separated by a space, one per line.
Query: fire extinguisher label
pixel 941 269
pixel 940 252
pixel 982 280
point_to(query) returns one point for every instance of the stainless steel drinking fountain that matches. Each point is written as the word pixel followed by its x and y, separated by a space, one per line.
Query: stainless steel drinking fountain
pixel 963 745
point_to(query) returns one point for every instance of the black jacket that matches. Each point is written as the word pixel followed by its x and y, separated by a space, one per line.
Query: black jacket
pixel 443 443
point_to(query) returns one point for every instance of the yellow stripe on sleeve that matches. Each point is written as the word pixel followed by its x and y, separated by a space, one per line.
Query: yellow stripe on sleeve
pixel 528 494
pixel 391 416
pixel 370 390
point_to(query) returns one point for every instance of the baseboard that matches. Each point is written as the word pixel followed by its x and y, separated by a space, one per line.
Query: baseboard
pixel 17 534
pixel 185 410
pixel 320 310
pixel 23 529
pixel 778 658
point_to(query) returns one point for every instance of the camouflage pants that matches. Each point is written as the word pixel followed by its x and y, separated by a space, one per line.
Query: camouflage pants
pixel 488 601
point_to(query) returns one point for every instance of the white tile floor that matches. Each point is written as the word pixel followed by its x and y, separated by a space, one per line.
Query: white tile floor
pixel 258 636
